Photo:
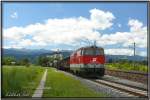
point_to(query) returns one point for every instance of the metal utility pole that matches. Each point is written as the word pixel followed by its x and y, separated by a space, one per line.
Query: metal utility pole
pixel 134 53
pixel 134 48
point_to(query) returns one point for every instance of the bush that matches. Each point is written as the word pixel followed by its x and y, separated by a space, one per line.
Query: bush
pixel 8 60
pixel 25 62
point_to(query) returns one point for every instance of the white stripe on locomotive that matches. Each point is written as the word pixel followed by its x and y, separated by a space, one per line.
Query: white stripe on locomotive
pixel 86 65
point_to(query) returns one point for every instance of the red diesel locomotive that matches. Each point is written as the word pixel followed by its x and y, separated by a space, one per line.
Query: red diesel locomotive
pixel 88 61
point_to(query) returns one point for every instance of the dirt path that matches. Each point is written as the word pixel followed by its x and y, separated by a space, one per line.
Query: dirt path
pixel 39 90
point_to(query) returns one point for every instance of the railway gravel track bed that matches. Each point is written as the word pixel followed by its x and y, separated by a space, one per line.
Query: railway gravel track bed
pixel 126 82
pixel 133 91
pixel 112 90
pixel 129 75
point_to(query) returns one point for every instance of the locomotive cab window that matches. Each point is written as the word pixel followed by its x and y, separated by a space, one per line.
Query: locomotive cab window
pixel 99 52
pixel 88 52
pixel 91 51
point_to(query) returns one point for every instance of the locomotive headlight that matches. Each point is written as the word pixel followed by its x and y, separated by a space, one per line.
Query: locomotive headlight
pixel 94 59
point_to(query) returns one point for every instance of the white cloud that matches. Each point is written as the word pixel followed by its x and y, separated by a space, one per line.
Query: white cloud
pixel 14 33
pixel 26 42
pixel 14 15
pixel 137 34
pixel 119 51
pixel 67 30
pixel 101 19
pixel 124 51
pixel 143 53
pixel 12 46
pixel 71 31
pixel 6 47
pixel 55 49
pixel 135 25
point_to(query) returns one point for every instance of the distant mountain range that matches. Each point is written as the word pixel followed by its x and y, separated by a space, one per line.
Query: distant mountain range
pixel 32 54
pixel 131 58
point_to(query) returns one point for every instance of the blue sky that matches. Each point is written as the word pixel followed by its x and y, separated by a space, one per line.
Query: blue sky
pixel 106 20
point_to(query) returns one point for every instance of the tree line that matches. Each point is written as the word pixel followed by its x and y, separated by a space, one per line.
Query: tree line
pixel 122 61
pixel 10 60
pixel 50 61
pixel 41 60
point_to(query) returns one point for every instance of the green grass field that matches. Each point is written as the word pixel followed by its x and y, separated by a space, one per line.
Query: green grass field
pixel 127 67
pixel 20 81
pixel 61 85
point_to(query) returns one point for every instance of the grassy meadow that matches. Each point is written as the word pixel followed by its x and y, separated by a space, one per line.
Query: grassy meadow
pixel 20 81
pixel 60 85
pixel 127 67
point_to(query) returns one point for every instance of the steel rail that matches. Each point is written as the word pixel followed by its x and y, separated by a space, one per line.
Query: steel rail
pixel 130 90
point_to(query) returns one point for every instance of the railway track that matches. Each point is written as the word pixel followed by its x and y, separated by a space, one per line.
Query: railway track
pixel 123 88
pixel 141 77
pixel 117 87
pixel 126 82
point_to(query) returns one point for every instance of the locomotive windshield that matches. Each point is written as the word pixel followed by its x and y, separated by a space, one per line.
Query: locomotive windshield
pixel 93 51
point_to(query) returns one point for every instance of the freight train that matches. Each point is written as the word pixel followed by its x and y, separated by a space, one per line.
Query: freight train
pixel 86 61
